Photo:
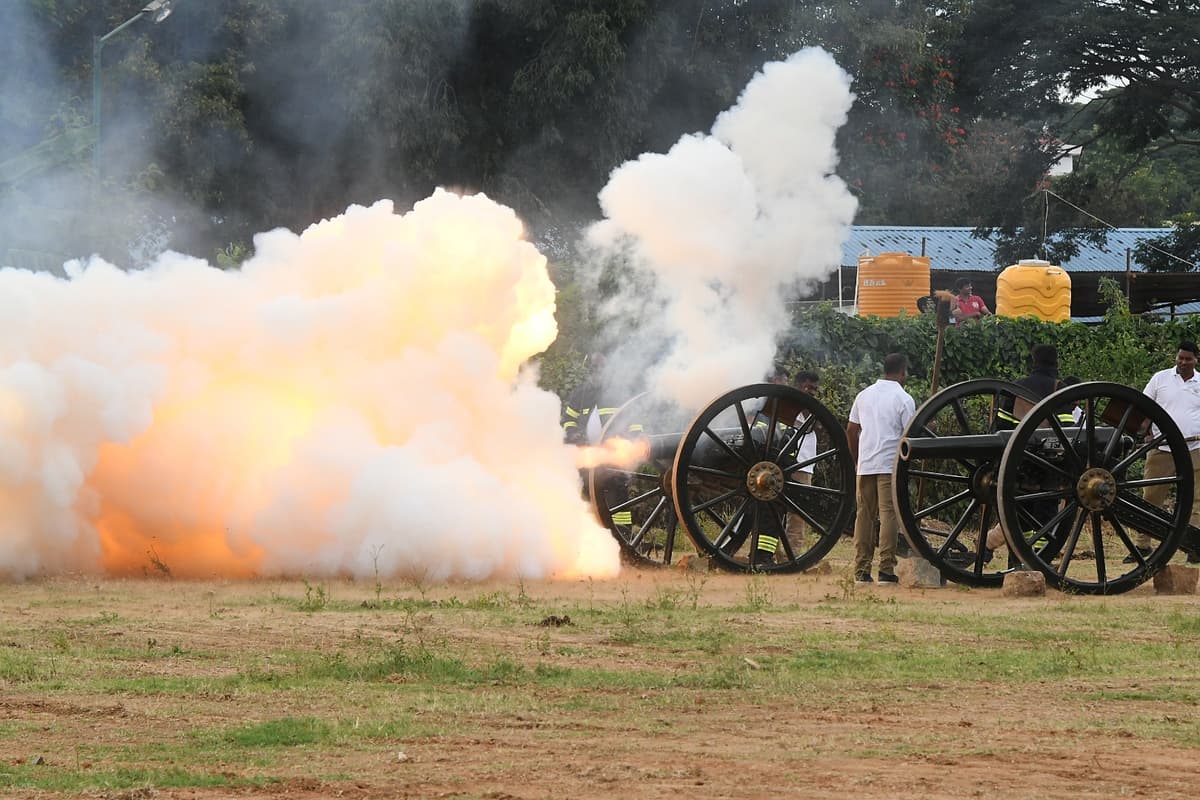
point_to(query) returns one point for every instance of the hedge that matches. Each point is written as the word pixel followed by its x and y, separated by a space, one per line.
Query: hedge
pixel 848 351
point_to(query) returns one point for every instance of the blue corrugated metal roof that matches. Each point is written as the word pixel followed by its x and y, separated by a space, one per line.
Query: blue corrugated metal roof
pixel 955 249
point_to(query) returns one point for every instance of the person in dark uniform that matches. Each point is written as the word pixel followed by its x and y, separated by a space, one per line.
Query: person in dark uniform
pixel 1041 382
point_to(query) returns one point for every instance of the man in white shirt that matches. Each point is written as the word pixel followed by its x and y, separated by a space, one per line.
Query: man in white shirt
pixel 1177 390
pixel 877 419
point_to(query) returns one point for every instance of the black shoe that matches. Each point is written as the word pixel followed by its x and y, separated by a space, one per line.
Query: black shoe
pixel 863 577
pixel 1132 559
pixel 888 577
pixel 762 560
pixel 1193 558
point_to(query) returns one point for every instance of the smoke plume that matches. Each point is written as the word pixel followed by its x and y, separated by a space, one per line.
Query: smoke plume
pixel 351 402
pixel 721 231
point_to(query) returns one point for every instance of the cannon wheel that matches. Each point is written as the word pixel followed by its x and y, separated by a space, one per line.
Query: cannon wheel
pixel 1096 483
pixel 634 502
pixel 945 506
pixel 736 477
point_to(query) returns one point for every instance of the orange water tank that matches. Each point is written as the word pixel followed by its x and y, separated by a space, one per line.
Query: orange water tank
pixel 891 282
pixel 1032 288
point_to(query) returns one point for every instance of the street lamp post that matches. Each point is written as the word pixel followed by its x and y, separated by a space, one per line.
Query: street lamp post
pixel 159 10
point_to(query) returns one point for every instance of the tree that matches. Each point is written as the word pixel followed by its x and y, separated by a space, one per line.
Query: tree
pixel 1138 58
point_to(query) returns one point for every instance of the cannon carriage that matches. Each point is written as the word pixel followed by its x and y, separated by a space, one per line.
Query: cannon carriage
pixel 729 482
pixel 1066 497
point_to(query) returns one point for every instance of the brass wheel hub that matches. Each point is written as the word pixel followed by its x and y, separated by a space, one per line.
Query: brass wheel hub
pixel 765 481
pixel 1097 489
pixel 983 482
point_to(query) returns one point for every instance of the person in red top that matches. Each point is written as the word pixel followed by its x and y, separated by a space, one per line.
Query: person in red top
pixel 966 305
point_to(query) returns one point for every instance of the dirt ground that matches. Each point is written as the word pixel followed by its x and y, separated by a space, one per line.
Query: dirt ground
pixel 979 739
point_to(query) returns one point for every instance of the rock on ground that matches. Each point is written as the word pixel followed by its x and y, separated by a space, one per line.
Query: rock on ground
pixel 1176 579
pixel 1023 583
pixel 917 573
pixel 693 563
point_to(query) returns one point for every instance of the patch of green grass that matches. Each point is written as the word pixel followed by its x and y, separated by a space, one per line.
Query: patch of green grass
pixel 1168 725
pixel 100 618
pixel 49 778
pixel 1184 624
pixel 1163 693
pixel 414 663
pixel 285 732
pixel 25 666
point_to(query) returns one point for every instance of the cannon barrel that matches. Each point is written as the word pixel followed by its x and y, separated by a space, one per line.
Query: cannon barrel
pixel 664 445
pixel 986 445
pixel 982 445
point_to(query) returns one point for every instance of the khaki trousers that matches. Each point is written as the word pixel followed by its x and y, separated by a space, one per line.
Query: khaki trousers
pixel 875 502
pixel 1160 464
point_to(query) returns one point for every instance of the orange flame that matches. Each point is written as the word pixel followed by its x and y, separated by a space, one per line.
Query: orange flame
pixel 616 452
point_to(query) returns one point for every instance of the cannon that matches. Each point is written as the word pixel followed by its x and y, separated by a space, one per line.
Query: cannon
pixel 742 466
pixel 1067 497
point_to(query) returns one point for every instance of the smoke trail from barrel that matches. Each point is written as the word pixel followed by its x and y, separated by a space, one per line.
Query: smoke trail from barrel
pixel 351 402
pixel 718 233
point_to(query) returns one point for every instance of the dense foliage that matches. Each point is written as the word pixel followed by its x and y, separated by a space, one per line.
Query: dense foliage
pixel 1134 68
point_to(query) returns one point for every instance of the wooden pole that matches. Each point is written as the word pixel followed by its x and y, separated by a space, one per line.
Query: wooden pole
pixel 943 320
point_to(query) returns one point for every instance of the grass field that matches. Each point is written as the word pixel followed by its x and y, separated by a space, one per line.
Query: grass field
pixel 651 685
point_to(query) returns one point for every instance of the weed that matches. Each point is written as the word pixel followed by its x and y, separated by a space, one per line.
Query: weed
pixel 758 593
pixel 214 611
pixel 420 582
pixel 695 582
pixel 316 598
pixel 160 567
pixel 665 599
pixel 490 601
pixel 845 582
pixel 523 598
pixel 375 551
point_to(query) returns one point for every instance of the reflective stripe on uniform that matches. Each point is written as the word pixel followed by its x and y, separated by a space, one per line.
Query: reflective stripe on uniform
pixel 1006 416
pixel 606 411
pixel 767 544
pixel 572 412
pixel 623 518
pixel 1066 418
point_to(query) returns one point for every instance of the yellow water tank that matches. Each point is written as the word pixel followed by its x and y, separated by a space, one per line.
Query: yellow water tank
pixel 891 282
pixel 1032 288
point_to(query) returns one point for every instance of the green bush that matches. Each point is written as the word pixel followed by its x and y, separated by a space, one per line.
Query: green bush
pixel 848 351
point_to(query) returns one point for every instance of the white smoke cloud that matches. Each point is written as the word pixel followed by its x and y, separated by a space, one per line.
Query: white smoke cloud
pixel 351 401
pixel 726 227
